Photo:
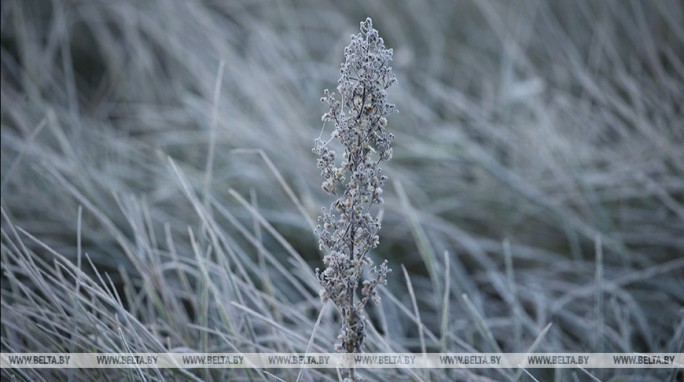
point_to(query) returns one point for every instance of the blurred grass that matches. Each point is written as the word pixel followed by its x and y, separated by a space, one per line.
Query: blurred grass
pixel 526 131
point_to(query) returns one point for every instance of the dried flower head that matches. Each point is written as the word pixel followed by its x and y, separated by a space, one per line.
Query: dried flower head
pixel 348 230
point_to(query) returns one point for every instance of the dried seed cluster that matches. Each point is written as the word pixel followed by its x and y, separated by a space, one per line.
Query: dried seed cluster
pixel 348 230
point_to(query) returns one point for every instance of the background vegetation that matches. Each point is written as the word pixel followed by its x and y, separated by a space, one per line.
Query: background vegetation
pixel 536 195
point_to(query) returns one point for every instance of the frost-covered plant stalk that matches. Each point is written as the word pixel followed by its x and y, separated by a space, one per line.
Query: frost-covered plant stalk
pixel 348 230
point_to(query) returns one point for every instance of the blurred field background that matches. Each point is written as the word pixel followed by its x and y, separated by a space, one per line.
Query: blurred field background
pixel 156 200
